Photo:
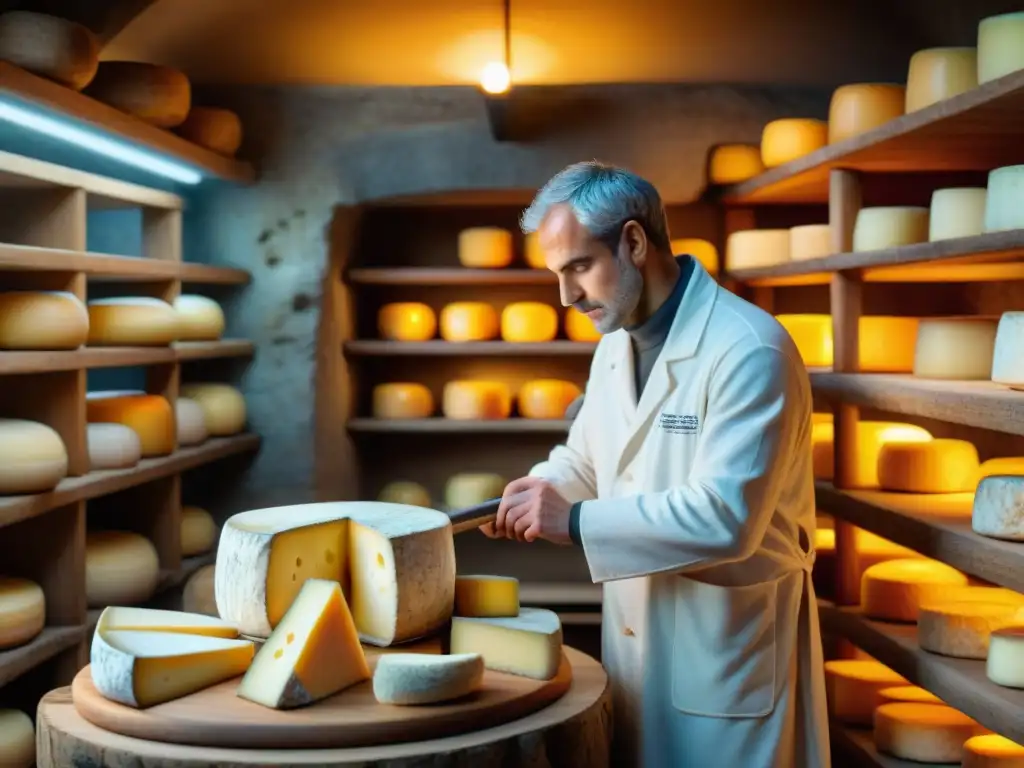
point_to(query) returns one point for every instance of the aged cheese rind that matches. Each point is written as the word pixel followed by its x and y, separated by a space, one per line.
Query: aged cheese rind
pixel 937 74
pixel 852 685
pixel 894 590
pixel 198 531
pixel 22 611
pixel 999 507
pixel 200 318
pixel 990 750
pixel 33 457
pixel 529 644
pixel 856 108
pixel 924 733
pixel 962 629
pixel 810 241
pixel 940 465
pixel 42 320
pixel 422 678
pixel 132 321
pixel 121 568
pixel 1004 204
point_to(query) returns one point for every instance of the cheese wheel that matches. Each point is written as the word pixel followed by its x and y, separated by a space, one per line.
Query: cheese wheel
pixel 856 108
pixel 200 318
pixel 998 510
pixel 529 321
pixel 701 250
pixel 1004 664
pixel 871 549
pixel 218 130
pixel 937 74
pixel 911 693
pixel 121 568
pixel 1004 200
pixel 33 458
pixel 464 399
pixel 733 163
pixel 112 446
pixel 150 416
pixel 405 492
pixel 198 596
pixel 990 750
pixel 851 686
pixel 533 254
pixel 1000 46
pixel 924 733
pixel 579 327
pixel 957 212
pixel 223 406
pixel 155 94
pixel 788 138
pixel 17 739
pixel 486 596
pixel 941 465
pixel 1008 351
pixel 546 398
pixel 810 241
pixel 955 348
pixel 469 321
pixel 755 248
pixel 871 437
pixel 198 531
pixel 467 489
pixel 42 320
pixel 402 400
pixel 190 421
pixel 49 46
pixel 893 590
pixel 889 227
pixel 406 321
pixel 1003 465
pixel 886 344
pixel 485 247
pixel 22 611
pixel 134 321
pixel 962 629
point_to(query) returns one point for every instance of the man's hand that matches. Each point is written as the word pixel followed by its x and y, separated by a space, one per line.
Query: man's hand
pixel 531 508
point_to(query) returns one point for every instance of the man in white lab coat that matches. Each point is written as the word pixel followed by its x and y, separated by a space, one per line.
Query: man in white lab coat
pixel 686 479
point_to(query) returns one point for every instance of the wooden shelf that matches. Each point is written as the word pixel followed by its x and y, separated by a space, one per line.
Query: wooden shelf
pixel 209 350
pixel 972 403
pixel 193 272
pixel 449 276
pixel 440 425
pixel 974 131
pixel 440 348
pixel 858 744
pixel 50 642
pixel 118 357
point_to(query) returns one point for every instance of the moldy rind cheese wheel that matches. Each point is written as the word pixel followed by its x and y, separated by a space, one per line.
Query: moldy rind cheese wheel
pixel 42 320
pixel 155 94
pixel 894 590
pixel 200 318
pixel 150 416
pixel 485 247
pixel 937 74
pixel 733 163
pixel 402 400
pixel 469 321
pixel 962 629
pixel 852 685
pixel 940 465
pixel 924 733
pixel 546 398
pixel 529 321
pixel 998 510
pixel 33 457
pixel 22 611
pixel 788 138
pixel 134 321
pixel 860 107
pixel 464 399
pixel 406 321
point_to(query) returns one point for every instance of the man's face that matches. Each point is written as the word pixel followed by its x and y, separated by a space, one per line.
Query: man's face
pixel 605 286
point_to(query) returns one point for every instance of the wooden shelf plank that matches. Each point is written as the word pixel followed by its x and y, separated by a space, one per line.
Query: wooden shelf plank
pixel 961 683
pixel 194 272
pixel 119 357
pixel 439 348
pixel 95 484
pixel 25 86
pixel 449 276
pixel 209 350
pixel 972 403
pixel 438 425
pixel 51 641
pixel 858 745
pixel 974 131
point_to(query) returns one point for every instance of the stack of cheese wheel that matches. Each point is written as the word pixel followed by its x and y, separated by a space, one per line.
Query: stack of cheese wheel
pixel 955 348
pixel 579 327
pixel 546 398
pixel 112 446
pixel 1000 46
pixel 476 400
pixel 17 736
pixel 48 46
pixel 155 94
pixel 852 686
pixel 191 422
pixel 996 509
pixel 959 624
pixel 886 344
pixel 199 318
pixel 223 406
pixel 150 416
pixel 467 489
pixel 198 531
pixel 860 107
pixel 529 322
pixel 702 250
pixel 1007 361
pixel 533 254
pixel 22 611
pixel 990 750
pixel 957 212
pixel 469 321
pixel 219 130
pixel 485 247
pixel 1003 207
pixel 42 320
pixel 894 590
pixel 889 227
pixel 402 400
pixel 121 568
pixel 906 693
pixel 940 465
pixel 871 437
pixel 788 138
pixel 406 321
pixel 923 732
pixel 33 457
pixel 937 74
pixel 755 248
pixel 733 163
pixel 134 321
pixel 810 241
pixel 405 492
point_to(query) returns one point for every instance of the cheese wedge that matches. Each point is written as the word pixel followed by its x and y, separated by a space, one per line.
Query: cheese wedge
pixel 312 654
pixel 142 669
pixel 423 678
pixel 122 617
pixel 529 644
pixel 486 596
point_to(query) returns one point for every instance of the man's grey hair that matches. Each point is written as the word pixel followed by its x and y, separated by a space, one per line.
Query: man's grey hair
pixel 603 197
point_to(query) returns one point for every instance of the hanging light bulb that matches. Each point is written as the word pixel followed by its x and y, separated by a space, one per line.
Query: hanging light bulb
pixel 495 78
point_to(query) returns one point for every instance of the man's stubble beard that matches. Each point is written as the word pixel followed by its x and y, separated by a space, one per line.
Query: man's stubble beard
pixel 627 296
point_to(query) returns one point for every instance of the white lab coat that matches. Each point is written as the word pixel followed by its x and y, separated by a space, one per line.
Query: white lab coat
pixel 701 528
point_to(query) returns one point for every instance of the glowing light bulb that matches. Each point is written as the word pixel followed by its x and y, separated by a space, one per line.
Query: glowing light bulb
pixel 495 78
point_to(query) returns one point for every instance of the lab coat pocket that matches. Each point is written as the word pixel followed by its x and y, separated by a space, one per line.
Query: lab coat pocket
pixel 724 649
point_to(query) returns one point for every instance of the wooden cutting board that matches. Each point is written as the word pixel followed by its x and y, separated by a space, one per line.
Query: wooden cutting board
pixel 217 717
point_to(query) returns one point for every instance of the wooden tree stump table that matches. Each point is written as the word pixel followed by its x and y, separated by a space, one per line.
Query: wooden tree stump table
pixel 573 731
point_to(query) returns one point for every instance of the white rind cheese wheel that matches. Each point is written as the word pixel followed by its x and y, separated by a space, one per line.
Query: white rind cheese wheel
pixel 529 645
pixel 42 320
pixel 190 421
pixel 406 321
pixel 529 322
pixel 151 416
pixel 810 241
pixel 1004 202
pixel 48 46
pixel 733 163
pixel 467 489
pixel 112 446
pixel 121 568
pixel 485 247
pixel 136 619
pixel 1008 351
pixel 788 138
pixel 424 678
pixel 155 94
pixel 546 398
pixel 871 436
pixel 955 348
pixel 1005 662
pixel 962 629
pixel 199 318
pixel 957 212
pixel 924 733
pixel 998 510
pixel 17 739
pixel 856 108
pixel 755 248
pixel 486 596
pixel 33 458
pixel 941 465
pixel 1000 46
pixel 133 321
pixel 396 562
pixel 912 693
pixel 579 327
pixel 937 74
pixel 990 750
pixel 469 321
pixel 223 406
pixel 405 492
pixel 476 400
pixel 198 531
pixel 22 611
pixel 402 400
pixel 703 251
pixel 889 227
pixel 218 130
pixel 894 590
pixel 852 685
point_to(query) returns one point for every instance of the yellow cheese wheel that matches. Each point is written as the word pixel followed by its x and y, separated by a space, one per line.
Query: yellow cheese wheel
pixel 405 492
pixel 871 549
pixel 936 74
pixel 198 531
pixel 1002 465
pixel 529 321
pixel 198 595
pixel 957 212
pixel 469 321
pixel 871 437
pixel 990 750
pixel 579 327
pixel 22 612
pixel 112 446
pixel 151 416
pixel 486 596
pixel 733 163
pixel 1003 209
pixel 1000 46
pixel 533 253
pixel 402 400
pixel 859 107
pixel 223 406
pixel 134 321
pixel 955 348
pixel 894 590
pixel 912 693
pixel 546 398
pixel 33 457
pixel 49 46
pixel 962 629
pixel 485 247
pixel 924 733
pixel 155 94
pixel 121 568
pixel 754 248
pixel 218 130
pixel 190 420
pixel 886 344
pixel 463 399
pixel 851 686
pixel 940 465
pixel 17 739
pixel 701 250
pixel 467 489
pixel 406 321
pixel 42 320
pixel 889 227
pixel 200 318
pixel 788 138
pixel 810 241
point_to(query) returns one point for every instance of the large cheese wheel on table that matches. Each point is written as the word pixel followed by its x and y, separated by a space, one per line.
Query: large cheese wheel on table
pixel 218 130
pixel 955 348
pixel 223 406
pixel 924 733
pixel 889 226
pixel 405 492
pixel 33 457
pixel 940 465
pixel 733 163
pixel 151 416
pixel 871 436
pixel 155 94
pixel 198 531
pixel 17 739
pixel 546 398
pixel 990 750
pixel 755 248
pixel 1008 351
pixel 42 320
pixel 465 399
pixel 998 501
pixel 22 611
pixel 529 321
pixel 485 247
pixel 1000 46
pixel 190 420
pixel 852 685
pixel 579 327
pixel 810 241
pixel 467 489
pixel 121 568
pixel 937 74
pixel 703 251
pixel 112 446
pixel 49 46
pixel 402 400
pixel 856 108
pixel 961 629
pixel 406 321
pixel 957 212
pixel 788 138
pixel 469 321
pixel 895 589
pixel 134 321
pixel 200 318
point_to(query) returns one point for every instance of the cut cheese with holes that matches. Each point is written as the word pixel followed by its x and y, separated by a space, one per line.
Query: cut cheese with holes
pixel 469 321
pixel 396 564
pixel 198 531
pixel 533 254
pixel 955 348
pixel 957 212
pixel 701 250
pixel 1004 201
pixel 937 74
pixel 889 227
pixel 894 590
pixel 134 321
pixel 788 138
pixel 142 669
pixel 529 644
pixel 485 247
pixel 998 510
pixel 402 400
pixel 856 108
pixel 150 416
pixel 579 327
pixel 1005 662
pixel 121 568
pixel 313 653
pixel 546 398
pixel 941 465
pixel 406 321
pixel 1000 46
pixel 911 693
pixel 200 318
pixel 733 163
pixel 17 738
pixel 223 406
pixel 42 320
pixel 467 489
pixel 924 733
pixel 871 436
pixel 405 492
pixel 463 399
pixel 810 241
pixel 962 629
pixel 529 321
pixel 755 248
pixel 119 617
pixel 22 611
pixel 486 596
pixel 423 678
pixel 1008 351
pixel 190 422
pixel 886 344
pixel 852 685
pixel 990 750
pixel 33 458
pixel 112 446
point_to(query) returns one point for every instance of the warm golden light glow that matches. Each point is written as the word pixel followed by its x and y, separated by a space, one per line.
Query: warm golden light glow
pixel 495 77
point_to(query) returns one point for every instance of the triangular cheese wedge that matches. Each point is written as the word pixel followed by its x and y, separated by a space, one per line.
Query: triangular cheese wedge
pixel 313 653
pixel 121 617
